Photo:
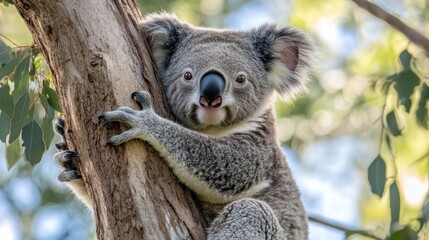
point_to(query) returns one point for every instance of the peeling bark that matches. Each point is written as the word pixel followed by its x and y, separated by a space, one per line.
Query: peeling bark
pixel 98 58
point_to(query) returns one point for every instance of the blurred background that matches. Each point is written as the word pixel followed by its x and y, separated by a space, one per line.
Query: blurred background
pixel 330 135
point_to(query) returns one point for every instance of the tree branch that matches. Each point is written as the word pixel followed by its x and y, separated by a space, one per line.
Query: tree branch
pixel 341 227
pixel 412 35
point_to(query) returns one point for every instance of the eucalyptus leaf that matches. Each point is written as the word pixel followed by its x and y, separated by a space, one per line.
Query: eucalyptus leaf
pixel 49 111
pixel 422 109
pixel 47 131
pixel 5 126
pixel 13 153
pixel 20 78
pixel 23 115
pixel 392 124
pixel 51 96
pixel 6 54
pixel 33 142
pixel 377 175
pixel 6 101
pixel 395 204
pixel 405 83
pixel 405 58
pixel 405 233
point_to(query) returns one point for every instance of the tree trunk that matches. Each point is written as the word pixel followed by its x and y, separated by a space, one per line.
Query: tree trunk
pixel 98 57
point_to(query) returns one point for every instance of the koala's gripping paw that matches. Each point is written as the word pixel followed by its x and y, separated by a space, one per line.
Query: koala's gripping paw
pixel 65 157
pixel 136 120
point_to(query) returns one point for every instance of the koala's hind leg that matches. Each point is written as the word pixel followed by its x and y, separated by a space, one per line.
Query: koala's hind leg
pixel 246 219
pixel 69 173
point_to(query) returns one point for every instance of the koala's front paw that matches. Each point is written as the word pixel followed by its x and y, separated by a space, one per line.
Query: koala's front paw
pixel 65 157
pixel 136 120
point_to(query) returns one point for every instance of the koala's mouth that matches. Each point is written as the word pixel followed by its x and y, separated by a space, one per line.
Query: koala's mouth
pixel 210 116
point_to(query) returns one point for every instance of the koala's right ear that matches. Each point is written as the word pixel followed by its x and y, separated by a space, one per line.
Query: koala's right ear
pixel 164 32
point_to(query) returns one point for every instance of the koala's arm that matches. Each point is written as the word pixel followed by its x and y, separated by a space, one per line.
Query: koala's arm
pixel 218 169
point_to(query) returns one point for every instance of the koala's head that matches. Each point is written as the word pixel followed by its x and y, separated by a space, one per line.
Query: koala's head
pixel 222 77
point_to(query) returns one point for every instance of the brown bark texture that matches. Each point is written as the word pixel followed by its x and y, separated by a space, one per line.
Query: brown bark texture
pixel 98 57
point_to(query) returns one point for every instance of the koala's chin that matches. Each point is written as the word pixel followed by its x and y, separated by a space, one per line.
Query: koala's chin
pixel 210 116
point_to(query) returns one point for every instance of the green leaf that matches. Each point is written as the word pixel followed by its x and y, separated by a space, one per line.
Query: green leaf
pixel 359 232
pixel 389 145
pixel 405 233
pixel 5 126
pixel 422 110
pixel 33 142
pixel 377 176
pixel 52 96
pixel 6 101
pixel 10 67
pixel 406 81
pixel 47 131
pixel 395 204
pixel 392 124
pixel 23 115
pixel 20 78
pixel 49 111
pixel 7 2
pixel 405 58
pixel 13 153
pixel 6 54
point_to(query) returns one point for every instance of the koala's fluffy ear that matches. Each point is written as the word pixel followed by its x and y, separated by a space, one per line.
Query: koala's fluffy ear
pixel 288 57
pixel 164 32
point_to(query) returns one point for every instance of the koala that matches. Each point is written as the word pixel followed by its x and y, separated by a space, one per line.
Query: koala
pixel 220 86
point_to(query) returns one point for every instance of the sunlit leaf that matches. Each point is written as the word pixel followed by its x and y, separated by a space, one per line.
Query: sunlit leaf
pixel 377 175
pixel 6 101
pixel 33 142
pixel 405 233
pixel 392 124
pixel 422 110
pixel 395 204
pixel 405 58
pixel 6 54
pixel 5 126
pixel 47 131
pixel 359 232
pixel 6 3
pixel 13 153
pixel 51 96
pixel 23 115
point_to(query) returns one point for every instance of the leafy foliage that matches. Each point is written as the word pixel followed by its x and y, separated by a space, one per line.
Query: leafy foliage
pixel 28 104
pixel 405 84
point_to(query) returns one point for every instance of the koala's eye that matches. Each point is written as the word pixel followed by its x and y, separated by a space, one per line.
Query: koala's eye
pixel 187 76
pixel 241 78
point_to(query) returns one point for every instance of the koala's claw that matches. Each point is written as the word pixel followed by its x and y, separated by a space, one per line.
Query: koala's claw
pixel 65 158
pixel 61 146
pixel 59 126
pixel 142 98
pixel 68 175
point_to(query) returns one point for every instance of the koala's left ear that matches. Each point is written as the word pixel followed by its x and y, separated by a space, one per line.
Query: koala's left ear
pixel 288 55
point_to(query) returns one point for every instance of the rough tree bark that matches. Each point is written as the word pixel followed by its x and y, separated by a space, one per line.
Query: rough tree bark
pixel 98 58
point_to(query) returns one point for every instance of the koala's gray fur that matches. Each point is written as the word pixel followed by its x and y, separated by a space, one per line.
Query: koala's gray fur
pixel 228 156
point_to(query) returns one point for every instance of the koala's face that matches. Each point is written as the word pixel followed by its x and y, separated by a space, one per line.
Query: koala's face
pixel 220 77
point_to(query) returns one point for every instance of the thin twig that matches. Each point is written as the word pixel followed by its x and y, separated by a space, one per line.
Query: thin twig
pixel 412 35
pixel 342 228
pixel 1 35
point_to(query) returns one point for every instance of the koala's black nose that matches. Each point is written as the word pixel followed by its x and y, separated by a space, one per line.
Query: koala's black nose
pixel 211 89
